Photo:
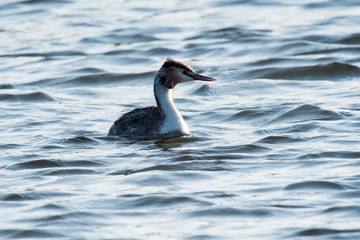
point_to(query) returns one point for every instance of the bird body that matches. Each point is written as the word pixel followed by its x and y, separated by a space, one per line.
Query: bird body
pixel 128 124
pixel 164 120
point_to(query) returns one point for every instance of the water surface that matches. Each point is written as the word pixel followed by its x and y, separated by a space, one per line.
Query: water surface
pixel 274 145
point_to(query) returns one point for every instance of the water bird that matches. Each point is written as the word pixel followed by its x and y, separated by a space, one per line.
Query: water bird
pixel 163 120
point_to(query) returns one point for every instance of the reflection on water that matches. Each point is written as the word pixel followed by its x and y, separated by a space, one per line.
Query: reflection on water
pixel 274 145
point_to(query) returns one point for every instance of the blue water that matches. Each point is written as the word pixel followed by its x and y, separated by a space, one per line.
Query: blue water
pixel 274 146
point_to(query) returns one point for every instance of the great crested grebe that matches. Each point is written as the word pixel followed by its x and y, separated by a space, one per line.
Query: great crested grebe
pixel 163 121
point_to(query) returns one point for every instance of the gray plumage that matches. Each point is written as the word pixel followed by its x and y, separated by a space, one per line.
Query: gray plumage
pixel 138 122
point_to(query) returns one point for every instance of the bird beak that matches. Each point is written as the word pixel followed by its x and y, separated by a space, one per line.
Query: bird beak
pixel 202 78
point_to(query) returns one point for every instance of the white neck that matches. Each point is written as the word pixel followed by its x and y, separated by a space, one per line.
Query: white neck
pixel 173 121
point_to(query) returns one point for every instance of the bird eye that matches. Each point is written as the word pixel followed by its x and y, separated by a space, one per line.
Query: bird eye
pixel 184 72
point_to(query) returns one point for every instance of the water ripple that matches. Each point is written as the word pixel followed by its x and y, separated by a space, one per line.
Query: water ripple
pixel 225 212
pixel 29 234
pixel 159 201
pixel 324 231
pixel 332 154
pixel 117 39
pixel 315 185
pixel 305 113
pixel 51 163
pixel 331 71
pixel 26 97
pixel 33 195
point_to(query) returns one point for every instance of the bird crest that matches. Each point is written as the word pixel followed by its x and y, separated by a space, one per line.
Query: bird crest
pixel 173 63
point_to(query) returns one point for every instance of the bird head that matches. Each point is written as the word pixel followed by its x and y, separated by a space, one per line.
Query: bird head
pixel 174 72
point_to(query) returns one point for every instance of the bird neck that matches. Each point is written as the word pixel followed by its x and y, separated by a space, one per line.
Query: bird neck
pixel 172 120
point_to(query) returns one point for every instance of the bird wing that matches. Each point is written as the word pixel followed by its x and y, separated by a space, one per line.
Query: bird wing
pixel 138 122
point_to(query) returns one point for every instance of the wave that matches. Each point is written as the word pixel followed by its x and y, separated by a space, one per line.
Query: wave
pixel 281 114
pixel 44 1
pixel 52 163
pixel 230 34
pixel 331 4
pixel 162 51
pixel 343 211
pixel 29 234
pixel 26 97
pixel 94 79
pixel 315 185
pixel 335 71
pixel 32 195
pixel 329 52
pixel 305 113
pixel 80 139
pixel 108 78
pixel 118 39
pixel 46 54
pixel 332 154
pixel 6 86
pixel 325 231
pixel 351 39
pixel 228 211
pixel 253 115
pixel 279 140
pixel 157 201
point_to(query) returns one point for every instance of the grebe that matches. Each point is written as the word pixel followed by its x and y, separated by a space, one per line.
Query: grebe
pixel 163 121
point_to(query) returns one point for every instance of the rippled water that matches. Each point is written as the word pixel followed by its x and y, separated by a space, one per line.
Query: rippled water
pixel 274 151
